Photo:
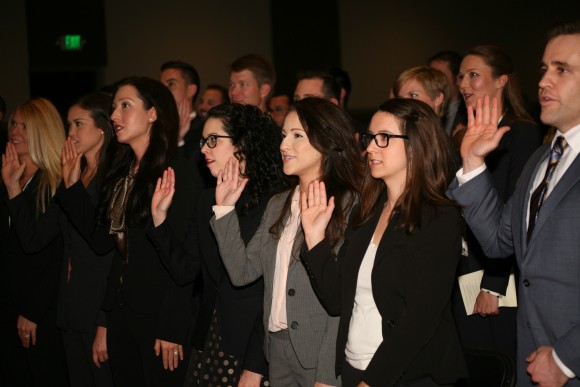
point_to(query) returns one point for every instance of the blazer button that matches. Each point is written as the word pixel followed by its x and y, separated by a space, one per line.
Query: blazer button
pixel 390 323
pixel 291 292
pixel 526 283
pixel 294 325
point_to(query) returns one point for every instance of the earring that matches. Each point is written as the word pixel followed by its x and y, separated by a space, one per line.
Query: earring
pixel 102 132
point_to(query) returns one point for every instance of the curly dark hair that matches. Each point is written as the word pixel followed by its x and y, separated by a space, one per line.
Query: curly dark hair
pixel 162 147
pixel 330 132
pixel 257 140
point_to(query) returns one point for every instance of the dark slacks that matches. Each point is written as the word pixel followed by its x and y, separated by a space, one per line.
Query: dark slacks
pixel 83 372
pixel 130 344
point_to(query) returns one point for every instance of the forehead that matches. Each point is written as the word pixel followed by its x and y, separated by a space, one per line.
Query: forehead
pixel 440 65
pixel 244 75
pixel 310 86
pixel 172 74
pixel 292 122
pixel 280 100
pixel 77 111
pixel 384 122
pixel 473 61
pixel 412 84
pixel 213 126
pixel 564 48
pixel 212 94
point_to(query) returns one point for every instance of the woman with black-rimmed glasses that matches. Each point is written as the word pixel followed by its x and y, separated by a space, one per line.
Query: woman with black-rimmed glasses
pixel 391 282
pixel 230 317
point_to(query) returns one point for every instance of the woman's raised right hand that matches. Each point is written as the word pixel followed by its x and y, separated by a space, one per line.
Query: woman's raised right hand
pixel 163 196
pixel 12 171
pixel 229 186
pixel 71 163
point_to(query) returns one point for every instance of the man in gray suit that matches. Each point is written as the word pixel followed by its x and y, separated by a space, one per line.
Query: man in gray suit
pixel 546 244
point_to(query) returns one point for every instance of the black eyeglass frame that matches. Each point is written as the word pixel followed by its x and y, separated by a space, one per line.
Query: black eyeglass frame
pixel 367 137
pixel 205 140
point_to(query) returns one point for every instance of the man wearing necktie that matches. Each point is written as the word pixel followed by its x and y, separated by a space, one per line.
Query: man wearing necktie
pixel 541 222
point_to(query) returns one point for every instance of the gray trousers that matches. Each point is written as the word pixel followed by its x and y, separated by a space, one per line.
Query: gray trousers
pixel 285 369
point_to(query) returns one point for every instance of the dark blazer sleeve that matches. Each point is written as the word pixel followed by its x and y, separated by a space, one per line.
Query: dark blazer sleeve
pixel 427 296
pixel 175 315
pixel 34 234
pixel 82 213
pixel 254 359
pixel 182 259
pixel 324 270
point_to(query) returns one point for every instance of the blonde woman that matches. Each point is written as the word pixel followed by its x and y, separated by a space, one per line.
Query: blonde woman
pixel 31 167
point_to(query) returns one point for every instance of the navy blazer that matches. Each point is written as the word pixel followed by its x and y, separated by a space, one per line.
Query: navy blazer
pixel 412 280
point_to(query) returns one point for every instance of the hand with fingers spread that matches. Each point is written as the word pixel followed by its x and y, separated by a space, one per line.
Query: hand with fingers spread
pixel 100 354
pixel 315 213
pixel 71 163
pixel 171 353
pixel 163 196
pixel 26 331
pixel 184 110
pixel 12 171
pixel 229 186
pixel 482 135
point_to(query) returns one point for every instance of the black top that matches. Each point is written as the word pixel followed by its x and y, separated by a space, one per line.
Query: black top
pixel 239 309
pixel 412 279
pixel 192 151
pixel 143 284
pixel 81 292
pixel 29 277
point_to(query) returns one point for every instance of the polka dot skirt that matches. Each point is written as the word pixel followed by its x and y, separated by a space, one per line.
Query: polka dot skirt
pixel 212 367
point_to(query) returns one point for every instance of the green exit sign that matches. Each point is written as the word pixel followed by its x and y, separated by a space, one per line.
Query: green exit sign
pixel 71 42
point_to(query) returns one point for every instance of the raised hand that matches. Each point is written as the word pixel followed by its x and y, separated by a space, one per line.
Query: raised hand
pixel 315 213
pixel 482 135
pixel 71 163
pixel 229 186
pixel 163 196
pixel 184 110
pixel 12 171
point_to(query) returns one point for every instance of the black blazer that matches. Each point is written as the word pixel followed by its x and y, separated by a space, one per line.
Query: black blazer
pixel 29 280
pixel 80 297
pixel 239 309
pixel 412 279
pixel 143 284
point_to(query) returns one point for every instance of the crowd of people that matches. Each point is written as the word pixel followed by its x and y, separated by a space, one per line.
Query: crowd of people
pixel 253 238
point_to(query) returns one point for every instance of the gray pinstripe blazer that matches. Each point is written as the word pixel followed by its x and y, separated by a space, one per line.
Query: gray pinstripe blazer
pixel 312 331
pixel 549 286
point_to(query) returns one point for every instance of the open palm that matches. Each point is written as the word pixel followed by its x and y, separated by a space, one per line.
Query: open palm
pixel 316 213
pixel 163 196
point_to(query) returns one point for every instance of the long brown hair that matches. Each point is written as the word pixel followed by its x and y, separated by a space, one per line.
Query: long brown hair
pixel 430 166
pixel 331 133
pixel 501 64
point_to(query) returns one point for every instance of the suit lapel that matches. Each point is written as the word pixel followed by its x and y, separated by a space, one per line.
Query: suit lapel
pixel 566 182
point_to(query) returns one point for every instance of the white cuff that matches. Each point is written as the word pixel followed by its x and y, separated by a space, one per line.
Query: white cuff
pixel 498 295
pixel 567 371
pixel 464 178
pixel 221 211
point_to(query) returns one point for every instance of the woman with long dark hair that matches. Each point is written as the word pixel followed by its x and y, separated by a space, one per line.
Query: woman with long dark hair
pixel 230 317
pixel 319 143
pixel 391 282
pixel 83 275
pixel 488 71
pixel 148 315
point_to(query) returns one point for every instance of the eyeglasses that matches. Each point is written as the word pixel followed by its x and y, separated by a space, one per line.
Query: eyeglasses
pixel 211 140
pixel 381 139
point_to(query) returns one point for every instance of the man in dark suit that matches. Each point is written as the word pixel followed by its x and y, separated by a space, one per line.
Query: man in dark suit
pixel 183 81
pixel 541 231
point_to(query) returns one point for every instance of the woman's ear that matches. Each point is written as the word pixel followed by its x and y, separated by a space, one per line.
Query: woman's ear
pixel 152 113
